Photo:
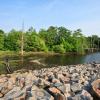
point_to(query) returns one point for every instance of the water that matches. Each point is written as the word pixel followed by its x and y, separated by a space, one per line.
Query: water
pixel 73 59
pixel 17 62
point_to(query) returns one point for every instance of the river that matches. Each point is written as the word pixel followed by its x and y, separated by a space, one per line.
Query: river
pixel 17 62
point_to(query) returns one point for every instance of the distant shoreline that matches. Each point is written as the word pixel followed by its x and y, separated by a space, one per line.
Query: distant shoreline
pixel 4 53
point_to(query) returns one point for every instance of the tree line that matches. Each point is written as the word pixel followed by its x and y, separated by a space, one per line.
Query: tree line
pixel 56 39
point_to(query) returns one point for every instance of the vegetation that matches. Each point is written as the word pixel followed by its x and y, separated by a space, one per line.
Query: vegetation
pixel 54 39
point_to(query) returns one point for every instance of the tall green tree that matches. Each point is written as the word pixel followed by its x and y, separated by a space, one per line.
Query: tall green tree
pixel 12 40
pixel 34 42
pixel 2 36
pixel 51 37
pixel 80 41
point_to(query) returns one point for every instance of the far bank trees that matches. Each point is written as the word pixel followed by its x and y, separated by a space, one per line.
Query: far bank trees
pixel 54 39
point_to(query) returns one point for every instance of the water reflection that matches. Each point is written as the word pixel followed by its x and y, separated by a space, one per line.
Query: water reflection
pixel 17 62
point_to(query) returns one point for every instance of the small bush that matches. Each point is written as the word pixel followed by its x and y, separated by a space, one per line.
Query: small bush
pixel 59 49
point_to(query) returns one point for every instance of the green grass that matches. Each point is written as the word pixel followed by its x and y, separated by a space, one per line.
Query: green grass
pixel 7 53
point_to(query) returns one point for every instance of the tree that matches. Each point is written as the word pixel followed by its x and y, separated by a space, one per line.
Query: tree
pixel 34 42
pixel 13 40
pixel 51 37
pixel 43 34
pixel 80 41
pixel 63 34
pixel 2 36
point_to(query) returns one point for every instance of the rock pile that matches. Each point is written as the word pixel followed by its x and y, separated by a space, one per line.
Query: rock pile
pixel 57 83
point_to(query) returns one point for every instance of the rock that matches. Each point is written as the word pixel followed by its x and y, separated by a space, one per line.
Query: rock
pixel 65 79
pixel 40 82
pixel 37 62
pixel 21 82
pixel 54 90
pixel 74 80
pixel 56 94
pixel 40 94
pixel 31 98
pixel 76 97
pixel 6 88
pixel 56 83
pixel 16 93
pixel 1 95
pixel 46 83
pixel 67 95
pixel 60 86
pixel 82 79
pixel 76 87
pixel 72 69
pixel 12 80
pixel 50 78
pixel 29 78
pixel 3 79
pixel 68 88
pixel 86 96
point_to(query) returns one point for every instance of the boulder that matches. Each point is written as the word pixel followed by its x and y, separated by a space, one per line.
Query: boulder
pixel 40 94
pixel 60 86
pixel 54 90
pixel 16 93
pixel 76 87
pixel 86 96
pixel 68 87
pixel 1 95
pixel 7 86
pixel 3 79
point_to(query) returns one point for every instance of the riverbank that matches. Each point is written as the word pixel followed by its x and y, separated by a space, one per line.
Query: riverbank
pixel 13 53
pixel 72 82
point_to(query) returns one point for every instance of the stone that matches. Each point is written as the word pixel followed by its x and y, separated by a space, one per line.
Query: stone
pixel 67 95
pixel 76 97
pixel 68 88
pixel 40 94
pixel 31 98
pixel 16 93
pixel 46 83
pixel 54 90
pixel 12 80
pixel 64 79
pixel 3 79
pixel 76 87
pixel 6 88
pixel 21 82
pixel 1 95
pixel 60 86
pixel 56 83
pixel 29 78
pixel 85 95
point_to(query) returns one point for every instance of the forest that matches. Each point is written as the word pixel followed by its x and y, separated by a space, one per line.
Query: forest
pixel 53 39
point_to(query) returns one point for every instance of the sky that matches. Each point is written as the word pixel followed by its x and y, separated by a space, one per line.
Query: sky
pixel 72 14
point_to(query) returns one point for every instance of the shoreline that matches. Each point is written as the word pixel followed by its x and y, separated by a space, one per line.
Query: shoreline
pixel 70 81
pixel 17 53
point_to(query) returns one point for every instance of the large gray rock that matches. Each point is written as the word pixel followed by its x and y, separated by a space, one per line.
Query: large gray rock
pixel 86 96
pixel 68 87
pixel 16 93
pixel 40 94
pixel 76 87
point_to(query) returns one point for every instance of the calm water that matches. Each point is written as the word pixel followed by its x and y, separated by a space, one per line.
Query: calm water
pixel 17 62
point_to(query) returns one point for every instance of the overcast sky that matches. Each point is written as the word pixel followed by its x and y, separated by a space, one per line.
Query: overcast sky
pixel 72 14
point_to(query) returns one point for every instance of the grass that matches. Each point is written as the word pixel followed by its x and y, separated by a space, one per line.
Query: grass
pixel 7 53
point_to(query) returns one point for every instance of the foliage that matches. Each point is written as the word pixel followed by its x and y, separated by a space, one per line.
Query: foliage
pixel 12 40
pixel 34 42
pixel 59 48
pixel 57 39
pixel 2 35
